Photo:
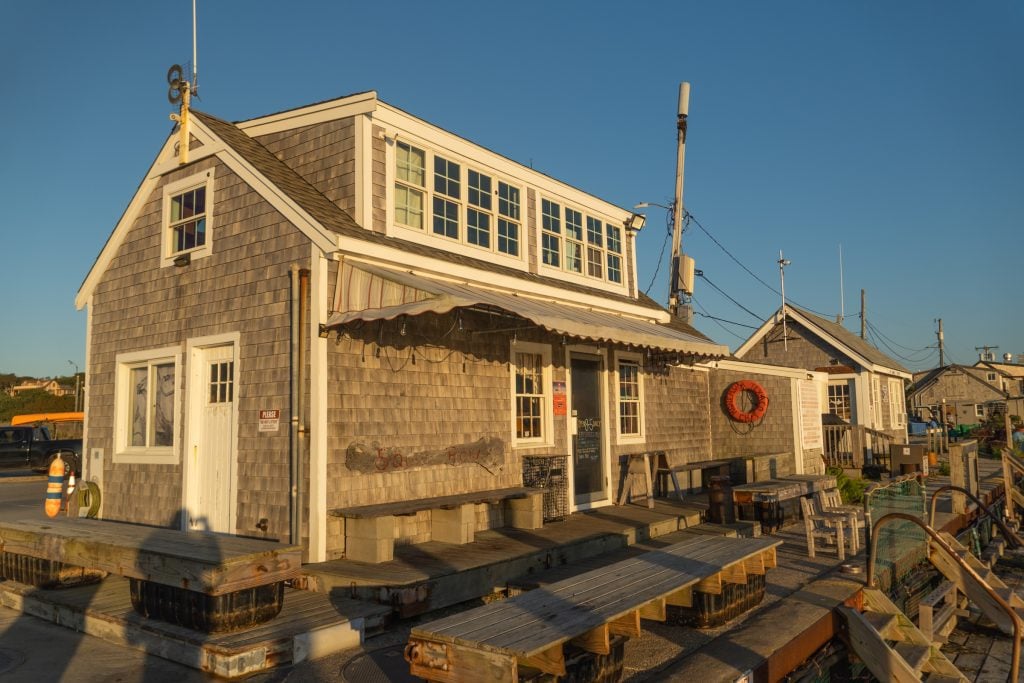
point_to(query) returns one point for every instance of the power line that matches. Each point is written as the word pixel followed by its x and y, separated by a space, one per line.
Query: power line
pixel 905 348
pixel 661 259
pixel 701 274
pixel 691 217
pixel 716 320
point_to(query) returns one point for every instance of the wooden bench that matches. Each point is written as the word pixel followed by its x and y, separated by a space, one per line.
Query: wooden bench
pixel 370 529
pixel 218 568
pixel 531 631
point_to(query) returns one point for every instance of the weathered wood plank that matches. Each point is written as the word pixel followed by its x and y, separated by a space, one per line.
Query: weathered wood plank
pixel 410 507
pixel 195 561
pixel 534 621
pixel 595 640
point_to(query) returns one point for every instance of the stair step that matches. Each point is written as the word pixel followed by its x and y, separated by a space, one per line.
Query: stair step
pixel 884 624
pixel 943 678
pixel 915 655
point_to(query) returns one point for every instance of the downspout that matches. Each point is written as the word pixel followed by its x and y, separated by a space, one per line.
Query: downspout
pixel 294 359
pixel 300 409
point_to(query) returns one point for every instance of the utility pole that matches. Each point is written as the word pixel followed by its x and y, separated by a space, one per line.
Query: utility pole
pixel 863 315
pixel 782 280
pixel 942 349
pixel 677 205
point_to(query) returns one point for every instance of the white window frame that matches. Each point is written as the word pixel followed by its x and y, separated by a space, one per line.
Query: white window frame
pixel 585 242
pixel 876 400
pixel 845 384
pixel 547 416
pixel 462 202
pixel 991 376
pixel 124 452
pixel 638 360
pixel 897 411
pixel 202 179
pixel 979 410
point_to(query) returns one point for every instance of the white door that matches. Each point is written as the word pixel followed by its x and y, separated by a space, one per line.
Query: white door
pixel 212 454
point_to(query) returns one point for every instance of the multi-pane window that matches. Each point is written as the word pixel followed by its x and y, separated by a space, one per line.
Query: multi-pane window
pixel 222 381
pixel 188 220
pixel 551 240
pixel 410 176
pixel 839 400
pixel 478 214
pixel 447 192
pixel 897 412
pixel 508 219
pixel 979 410
pixel 151 388
pixel 529 418
pixel 629 398
pixel 614 253
pixel 573 240
pixel 578 243
pixel 460 201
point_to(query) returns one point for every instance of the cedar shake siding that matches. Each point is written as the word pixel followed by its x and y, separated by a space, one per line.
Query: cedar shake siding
pixel 243 287
pixel 324 154
pixel 801 349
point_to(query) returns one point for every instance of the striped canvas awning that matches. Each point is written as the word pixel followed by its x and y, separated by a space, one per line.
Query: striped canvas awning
pixel 377 293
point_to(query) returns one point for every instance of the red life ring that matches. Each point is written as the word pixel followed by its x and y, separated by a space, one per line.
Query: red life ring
pixel 732 395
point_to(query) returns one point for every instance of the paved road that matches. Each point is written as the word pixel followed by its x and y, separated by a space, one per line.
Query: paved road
pixel 21 496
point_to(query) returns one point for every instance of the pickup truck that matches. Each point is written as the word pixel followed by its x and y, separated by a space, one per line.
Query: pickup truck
pixel 30 447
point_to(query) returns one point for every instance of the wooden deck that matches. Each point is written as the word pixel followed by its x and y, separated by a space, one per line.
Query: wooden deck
pixel 492 641
pixel 310 625
pixel 202 562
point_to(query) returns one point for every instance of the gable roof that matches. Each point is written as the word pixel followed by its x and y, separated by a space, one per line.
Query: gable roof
pixel 831 333
pixel 331 225
pixel 933 376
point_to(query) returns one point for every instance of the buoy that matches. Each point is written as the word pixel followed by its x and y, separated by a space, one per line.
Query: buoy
pixel 54 487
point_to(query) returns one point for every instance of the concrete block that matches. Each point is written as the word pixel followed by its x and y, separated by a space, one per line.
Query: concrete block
pixel 457 525
pixel 525 519
pixel 371 527
pixel 369 550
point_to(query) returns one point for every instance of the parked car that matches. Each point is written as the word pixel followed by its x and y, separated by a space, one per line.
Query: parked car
pixel 30 447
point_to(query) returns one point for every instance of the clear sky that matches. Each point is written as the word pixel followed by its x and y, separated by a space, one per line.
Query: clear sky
pixel 893 129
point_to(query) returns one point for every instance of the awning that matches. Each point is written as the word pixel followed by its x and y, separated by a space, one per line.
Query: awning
pixel 376 293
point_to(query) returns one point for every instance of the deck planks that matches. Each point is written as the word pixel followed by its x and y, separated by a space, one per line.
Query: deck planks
pixel 202 562
pixel 530 623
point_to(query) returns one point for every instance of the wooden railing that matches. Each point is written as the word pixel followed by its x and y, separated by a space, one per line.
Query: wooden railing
pixel 851 446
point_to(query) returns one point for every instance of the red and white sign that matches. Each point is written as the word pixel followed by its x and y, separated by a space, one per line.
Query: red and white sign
pixel 270 420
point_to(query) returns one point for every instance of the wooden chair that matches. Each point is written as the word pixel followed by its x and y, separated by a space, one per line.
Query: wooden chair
pixel 831 502
pixel 824 527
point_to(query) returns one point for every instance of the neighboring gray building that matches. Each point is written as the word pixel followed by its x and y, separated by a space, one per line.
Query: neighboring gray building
pixel 865 386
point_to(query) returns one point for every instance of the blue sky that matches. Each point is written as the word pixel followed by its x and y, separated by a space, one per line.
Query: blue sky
pixel 892 129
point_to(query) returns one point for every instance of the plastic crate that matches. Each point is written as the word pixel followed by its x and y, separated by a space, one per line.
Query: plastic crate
pixel 549 473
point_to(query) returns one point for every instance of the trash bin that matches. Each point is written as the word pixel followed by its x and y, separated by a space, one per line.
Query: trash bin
pixel 720 510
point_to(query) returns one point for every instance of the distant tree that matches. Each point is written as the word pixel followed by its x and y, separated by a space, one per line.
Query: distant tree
pixel 36 401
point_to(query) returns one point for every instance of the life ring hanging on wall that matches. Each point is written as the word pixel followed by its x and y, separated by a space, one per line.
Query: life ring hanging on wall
pixel 732 395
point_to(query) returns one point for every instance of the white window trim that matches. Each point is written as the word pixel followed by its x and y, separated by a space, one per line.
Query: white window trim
pixel 167 255
pixel 638 359
pixel 561 269
pixel 896 410
pixel 979 410
pixel 547 415
pixel 123 453
pixel 462 245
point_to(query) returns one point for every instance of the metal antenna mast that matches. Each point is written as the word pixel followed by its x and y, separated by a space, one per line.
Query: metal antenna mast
pixel 677 205
pixel 783 262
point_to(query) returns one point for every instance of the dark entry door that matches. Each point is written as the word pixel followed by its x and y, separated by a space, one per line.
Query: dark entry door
pixel 588 442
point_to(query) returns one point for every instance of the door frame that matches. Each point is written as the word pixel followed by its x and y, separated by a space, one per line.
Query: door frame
pixel 195 394
pixel 600 354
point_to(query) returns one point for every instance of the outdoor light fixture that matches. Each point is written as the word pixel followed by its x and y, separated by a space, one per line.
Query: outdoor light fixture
pixel 636 221
pixel 183 260
pixel 323 331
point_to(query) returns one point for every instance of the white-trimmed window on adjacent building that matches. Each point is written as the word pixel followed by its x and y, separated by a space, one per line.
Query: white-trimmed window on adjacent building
pixel 146 406
pixel 531 390
pixel 456 202
pixel 629 377
pixel 897 404
pixel 979 410
pixel 839 400
pixel 574 242
pixel 187 225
